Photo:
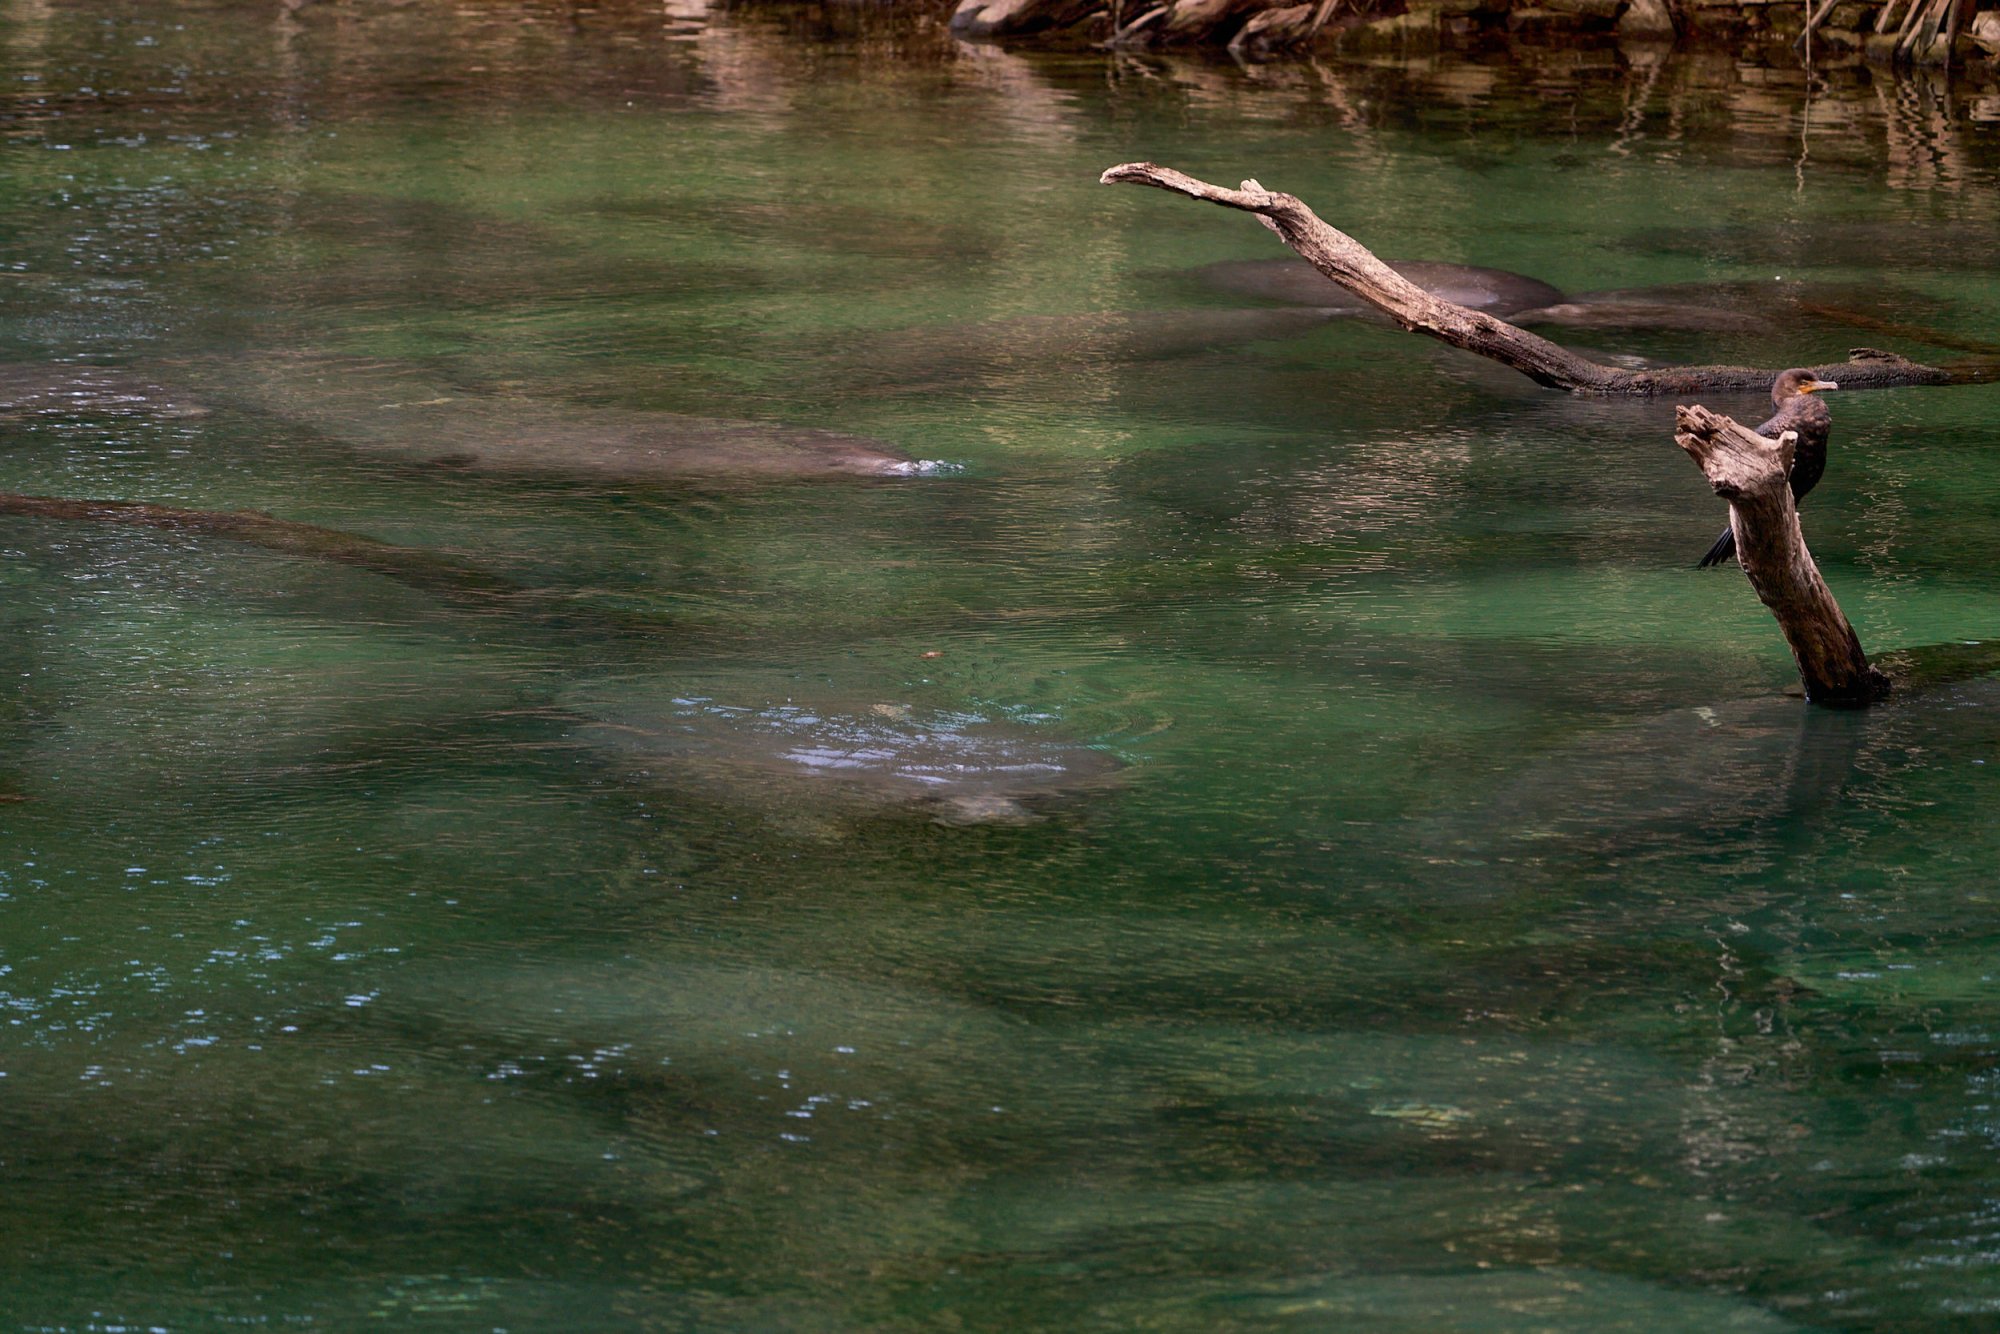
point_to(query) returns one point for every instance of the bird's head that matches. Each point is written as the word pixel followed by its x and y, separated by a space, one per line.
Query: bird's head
pixel 1794 382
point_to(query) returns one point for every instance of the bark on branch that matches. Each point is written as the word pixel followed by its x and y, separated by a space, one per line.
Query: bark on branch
pixel 1753 474
pixel 1352 265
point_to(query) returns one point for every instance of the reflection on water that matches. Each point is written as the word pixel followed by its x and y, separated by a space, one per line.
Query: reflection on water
pixel 1273 834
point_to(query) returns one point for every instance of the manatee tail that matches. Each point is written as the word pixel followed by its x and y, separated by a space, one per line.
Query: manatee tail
pixel 1724 548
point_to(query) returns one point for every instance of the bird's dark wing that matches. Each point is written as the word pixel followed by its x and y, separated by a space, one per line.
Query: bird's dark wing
pixel 1809 456
pixel 1724 548
pixel 1814 425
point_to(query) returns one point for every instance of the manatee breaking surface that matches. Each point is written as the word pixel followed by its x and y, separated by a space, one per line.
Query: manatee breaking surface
pixel 975 765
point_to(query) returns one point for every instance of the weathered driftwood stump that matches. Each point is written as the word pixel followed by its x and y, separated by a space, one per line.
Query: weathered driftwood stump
pixel 1754 475
pixel 1352 265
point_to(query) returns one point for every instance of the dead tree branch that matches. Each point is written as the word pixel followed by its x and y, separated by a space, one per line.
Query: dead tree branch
pixel 1353 266
pixel 1753 475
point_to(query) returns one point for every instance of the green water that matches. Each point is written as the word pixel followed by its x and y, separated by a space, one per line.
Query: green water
pixel 1442 918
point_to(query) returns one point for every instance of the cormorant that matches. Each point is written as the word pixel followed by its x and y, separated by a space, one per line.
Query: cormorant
pixel 1799 411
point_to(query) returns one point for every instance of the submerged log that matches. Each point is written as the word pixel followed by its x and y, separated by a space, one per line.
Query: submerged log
pixel 1356 268
pixel 1753 474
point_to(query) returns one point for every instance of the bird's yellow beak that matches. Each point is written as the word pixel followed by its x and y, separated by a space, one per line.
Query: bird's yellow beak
pixel 1815 386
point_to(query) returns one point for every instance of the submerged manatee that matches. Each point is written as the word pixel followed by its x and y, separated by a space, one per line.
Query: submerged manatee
pixel 385 410
pixel 1752 307
pixel 963 767
pixel 1642 310
pixel 1059 346
pixel 1128 335
pixel 33 388
pixel 1650 786
pixel 1297 283
pixel 1921 243
pixel 1723 308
